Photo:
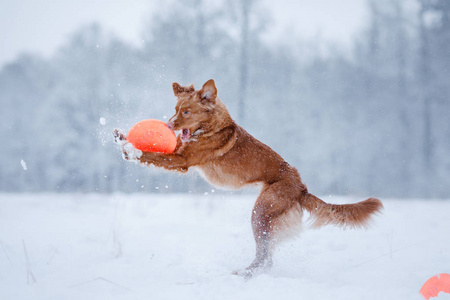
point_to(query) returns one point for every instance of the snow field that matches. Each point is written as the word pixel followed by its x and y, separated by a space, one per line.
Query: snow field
pixel 185 246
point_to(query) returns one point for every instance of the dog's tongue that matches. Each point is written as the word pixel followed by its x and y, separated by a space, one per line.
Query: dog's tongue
pixel 185 135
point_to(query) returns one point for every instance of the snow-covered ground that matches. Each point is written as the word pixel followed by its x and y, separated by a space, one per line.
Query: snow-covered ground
pixel 186 246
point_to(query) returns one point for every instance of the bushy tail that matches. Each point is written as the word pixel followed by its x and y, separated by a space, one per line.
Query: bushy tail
pixel 356 215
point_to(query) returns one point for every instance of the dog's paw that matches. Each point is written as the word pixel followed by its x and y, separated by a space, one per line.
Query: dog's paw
pixel 248 273
pixel 120 137
pixel 128 151
pixel 256 268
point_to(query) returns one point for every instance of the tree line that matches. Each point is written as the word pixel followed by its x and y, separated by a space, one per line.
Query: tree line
pixel 373 121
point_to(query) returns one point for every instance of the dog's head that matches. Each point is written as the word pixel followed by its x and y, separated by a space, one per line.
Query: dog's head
pixel 195 110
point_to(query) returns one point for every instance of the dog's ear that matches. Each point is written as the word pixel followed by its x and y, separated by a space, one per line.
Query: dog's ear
pixel 208 93
pixel 177 88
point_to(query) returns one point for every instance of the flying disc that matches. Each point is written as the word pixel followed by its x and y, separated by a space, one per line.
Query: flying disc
pixel 152 136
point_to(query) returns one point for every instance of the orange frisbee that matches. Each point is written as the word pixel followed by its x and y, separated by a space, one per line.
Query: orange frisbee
pixel 152 136
pixel 435 285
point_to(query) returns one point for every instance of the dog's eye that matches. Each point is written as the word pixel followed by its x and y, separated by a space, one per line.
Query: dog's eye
pixel 186 113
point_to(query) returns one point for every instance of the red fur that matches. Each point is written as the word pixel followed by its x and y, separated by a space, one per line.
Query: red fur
pixel 228 156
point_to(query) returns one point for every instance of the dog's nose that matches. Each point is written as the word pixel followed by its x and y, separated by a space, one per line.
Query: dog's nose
pixel 170 125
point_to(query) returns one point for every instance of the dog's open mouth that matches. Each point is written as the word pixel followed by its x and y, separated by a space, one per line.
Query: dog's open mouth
pixel 186 135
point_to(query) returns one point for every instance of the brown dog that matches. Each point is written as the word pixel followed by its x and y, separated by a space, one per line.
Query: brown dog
pixel 228 156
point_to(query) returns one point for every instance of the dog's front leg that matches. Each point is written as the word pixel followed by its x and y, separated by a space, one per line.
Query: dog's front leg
pixel 176 162
pixel 172 161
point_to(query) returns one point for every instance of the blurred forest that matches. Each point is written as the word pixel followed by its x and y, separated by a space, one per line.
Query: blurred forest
pixel 371 122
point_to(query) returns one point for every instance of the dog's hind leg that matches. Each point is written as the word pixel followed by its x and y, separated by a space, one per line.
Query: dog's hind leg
pixel 272 206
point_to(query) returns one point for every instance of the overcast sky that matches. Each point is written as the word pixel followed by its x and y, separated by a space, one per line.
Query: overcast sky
pixel 41 26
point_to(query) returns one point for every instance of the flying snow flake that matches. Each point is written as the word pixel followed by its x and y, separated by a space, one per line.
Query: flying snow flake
pixel 102 121
pixel 24 164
